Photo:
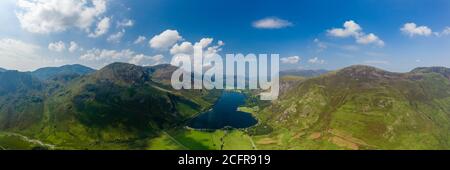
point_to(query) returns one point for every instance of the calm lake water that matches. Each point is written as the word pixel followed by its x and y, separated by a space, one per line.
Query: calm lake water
pixel 224 113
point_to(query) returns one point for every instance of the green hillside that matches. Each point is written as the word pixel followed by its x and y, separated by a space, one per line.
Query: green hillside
pixel 50 72
pixel 110 109
pixel 123 106
pixel 362 107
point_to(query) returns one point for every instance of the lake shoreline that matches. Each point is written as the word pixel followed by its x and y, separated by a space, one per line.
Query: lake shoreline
pixel 226 112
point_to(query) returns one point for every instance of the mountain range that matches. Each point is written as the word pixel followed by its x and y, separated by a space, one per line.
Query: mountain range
pixel 124 106
pixel 84 109
pixel 302 73
pixel 48 72
pixel 362 107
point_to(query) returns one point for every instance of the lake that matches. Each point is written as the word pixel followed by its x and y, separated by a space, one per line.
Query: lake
pixel 224 114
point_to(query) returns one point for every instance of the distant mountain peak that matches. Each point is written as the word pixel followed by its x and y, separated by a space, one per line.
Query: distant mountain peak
pixel 367 72
pixel 49 72
pixel 124 72
pixel 361 68
pixel 303 72
pixel 439 70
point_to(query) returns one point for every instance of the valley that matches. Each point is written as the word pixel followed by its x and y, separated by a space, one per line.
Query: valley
pixel 123 106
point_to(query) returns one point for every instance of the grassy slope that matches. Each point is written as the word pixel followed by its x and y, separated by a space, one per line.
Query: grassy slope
pixel 118 107
pixel 186 139
pixel 355 108
pixel 361 108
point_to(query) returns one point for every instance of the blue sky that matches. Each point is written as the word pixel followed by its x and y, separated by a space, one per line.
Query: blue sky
pixel 397 35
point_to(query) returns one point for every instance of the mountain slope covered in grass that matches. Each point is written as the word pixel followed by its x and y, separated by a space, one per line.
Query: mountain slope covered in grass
pixel 49 72
pixel 123 106
pixel 362 107
pixel 21 99
pixel 116 107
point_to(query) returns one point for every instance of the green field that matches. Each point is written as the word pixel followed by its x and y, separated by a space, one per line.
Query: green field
pixel 10 141
pixel 188 139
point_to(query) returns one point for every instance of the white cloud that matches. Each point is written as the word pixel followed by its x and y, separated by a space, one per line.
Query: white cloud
pixel 446 31
pixel 183 48
pixel 47 16
pixel 16 54
pixel 165 40
pixel 369 39
pixel 412 30
pixel 290 60
pixel 215 49
pixel 187 49
pixel 220 43
pixel 205 42
pixel 115 38
pixel 57 46
pixel 316 60
pixel 271 23
pixel 100 57
pixel 140 40
pixel 144 60
pixel 73 47
pixel 352 29
pixel 102 28
pixel 125 23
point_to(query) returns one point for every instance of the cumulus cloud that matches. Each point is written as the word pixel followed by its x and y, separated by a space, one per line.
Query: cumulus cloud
pixel 100 57
pixel 57 46
pixel 271 23
pixel 290 60
pixel 73 47
pixel 205 42
pixel 352 29
pixel 183 48
pixel 102 28
pixel 165 40
pixel 115 38
pixel 215 49
pixel 187 49
pixel 140 40
pixel 412 30
pixel 316 60
pixel 369 38
pixel 446 31
pixel 47 16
